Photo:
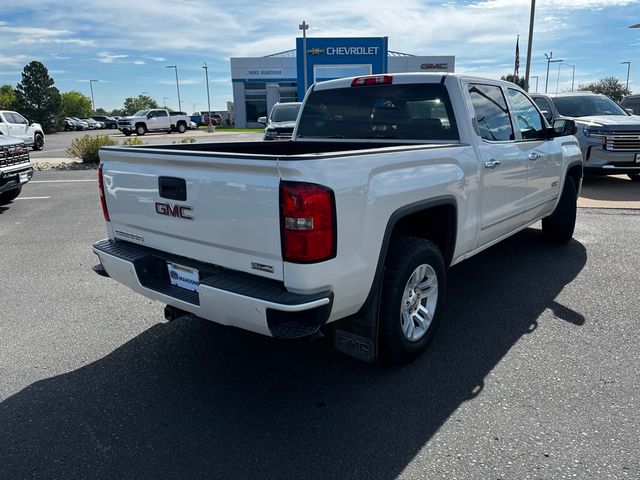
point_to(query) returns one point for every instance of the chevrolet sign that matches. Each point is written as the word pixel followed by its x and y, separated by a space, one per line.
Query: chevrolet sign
pixel 352 50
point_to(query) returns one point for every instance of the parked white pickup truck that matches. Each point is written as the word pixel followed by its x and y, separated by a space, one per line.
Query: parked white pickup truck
pixel 153 120
pixel 388 181
pixel 15 125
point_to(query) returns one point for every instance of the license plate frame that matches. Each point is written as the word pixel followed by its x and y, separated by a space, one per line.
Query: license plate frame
pixel 23 177
pixel 184 277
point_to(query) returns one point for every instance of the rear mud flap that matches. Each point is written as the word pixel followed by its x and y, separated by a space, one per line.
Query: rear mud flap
pixel 357 335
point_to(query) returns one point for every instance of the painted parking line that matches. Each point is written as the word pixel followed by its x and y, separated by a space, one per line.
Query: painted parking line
pixel 32 198
pixel 63 181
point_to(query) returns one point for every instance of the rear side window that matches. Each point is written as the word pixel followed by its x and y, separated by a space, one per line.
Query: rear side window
pixel 491 111
pixel 160 113
pixel 402 112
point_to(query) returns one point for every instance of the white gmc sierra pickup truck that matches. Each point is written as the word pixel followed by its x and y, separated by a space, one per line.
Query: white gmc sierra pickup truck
pixel 351 225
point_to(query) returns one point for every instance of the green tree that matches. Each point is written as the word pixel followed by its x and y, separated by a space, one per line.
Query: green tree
pixel 609 86
pixel 132 105
pixel 75 104
pixel 7 97
pixel 101 111
pixel 514 79
pixel 36 97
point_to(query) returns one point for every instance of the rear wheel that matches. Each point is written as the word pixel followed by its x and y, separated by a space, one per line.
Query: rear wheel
pixel 182 127
pixel 559 226
pixel 634 176
pixel 127 133
pixel 413 293
pixel 6 197
pixel 141 130
pixel 38 141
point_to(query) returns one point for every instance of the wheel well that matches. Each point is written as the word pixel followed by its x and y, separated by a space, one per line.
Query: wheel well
pixel 575 173
pixel 141 124
pixel 437 224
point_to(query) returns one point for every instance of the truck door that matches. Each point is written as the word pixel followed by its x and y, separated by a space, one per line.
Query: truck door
pixel 543 154
pixel 18 126
pixel 158 120
pixel 503 167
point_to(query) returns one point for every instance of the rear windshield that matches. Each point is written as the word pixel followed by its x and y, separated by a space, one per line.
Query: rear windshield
pixel 285 113
pixel 587 106
pixel 404 112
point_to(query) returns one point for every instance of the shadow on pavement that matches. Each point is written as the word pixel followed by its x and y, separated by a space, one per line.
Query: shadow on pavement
pixel 194 400
pixel 617 188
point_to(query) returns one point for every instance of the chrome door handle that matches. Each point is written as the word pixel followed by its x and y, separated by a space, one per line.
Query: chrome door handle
pixel 534 156
pixel 491 164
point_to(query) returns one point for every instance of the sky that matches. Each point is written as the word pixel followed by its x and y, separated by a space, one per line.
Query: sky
pixel 126 44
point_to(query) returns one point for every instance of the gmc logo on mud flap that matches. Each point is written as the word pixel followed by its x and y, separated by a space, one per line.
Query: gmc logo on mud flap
pixel 178 211
pixel 349 342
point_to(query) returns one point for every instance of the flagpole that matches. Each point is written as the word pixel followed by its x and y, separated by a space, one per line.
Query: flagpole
pixel 515 64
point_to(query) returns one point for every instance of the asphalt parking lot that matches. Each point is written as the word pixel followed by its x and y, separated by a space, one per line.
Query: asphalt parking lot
pixel 534 374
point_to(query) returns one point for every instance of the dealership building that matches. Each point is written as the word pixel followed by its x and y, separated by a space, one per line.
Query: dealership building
pixel 260 82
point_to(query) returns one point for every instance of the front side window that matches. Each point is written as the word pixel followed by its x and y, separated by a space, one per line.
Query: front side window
pixel 529 119
pixel 492 114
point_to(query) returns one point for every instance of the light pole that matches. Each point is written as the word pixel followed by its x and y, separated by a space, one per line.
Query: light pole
pixel 536 77
pixel 549 61
pixel 573 74
pixel 529 46
pixel 558 79
pixel 304 26
pixel 628 70
pixel 210 127
pixel 93 103
pixel 175 67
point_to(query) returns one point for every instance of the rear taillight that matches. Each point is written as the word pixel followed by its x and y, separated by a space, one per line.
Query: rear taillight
pixel 103 200
pixel 308 222
pixel 372 80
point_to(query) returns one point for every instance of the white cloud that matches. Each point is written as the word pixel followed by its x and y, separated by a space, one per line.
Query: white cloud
pixel 139 62
pixel 107 57
pixel 13 60
pixel 58 56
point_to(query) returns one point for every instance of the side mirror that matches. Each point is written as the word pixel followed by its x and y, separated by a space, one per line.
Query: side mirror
pixel 563 126
pixel 629 111
pixel 262 120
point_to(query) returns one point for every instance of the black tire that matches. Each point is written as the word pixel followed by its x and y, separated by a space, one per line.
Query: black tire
pixel 38 142
pixel 127 133
pixel 406 254
pixel 559 226
pixel 182 127
pixel 141 130
pixel 9 195
pixel 634 176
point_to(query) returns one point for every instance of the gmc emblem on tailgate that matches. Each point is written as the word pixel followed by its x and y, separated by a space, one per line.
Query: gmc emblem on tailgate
pixel 178 211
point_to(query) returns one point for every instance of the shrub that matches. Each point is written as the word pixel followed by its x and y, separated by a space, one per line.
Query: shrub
pixel 185 140
pixel 86 148
pixel 132 141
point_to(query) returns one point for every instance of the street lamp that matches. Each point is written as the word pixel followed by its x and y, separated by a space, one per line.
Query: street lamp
pixel 210 127
pixel 536 77
pixel 93 103
pixel 549 61
pixel 529 46
pixel 628 64
pixel 573 74
pixel 558 79
pixel 304 26
pixel 175 67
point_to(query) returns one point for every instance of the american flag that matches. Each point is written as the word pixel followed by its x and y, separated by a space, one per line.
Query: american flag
pixel 517 65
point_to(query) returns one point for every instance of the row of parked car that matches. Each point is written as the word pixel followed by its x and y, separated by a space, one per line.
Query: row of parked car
pixel 92 123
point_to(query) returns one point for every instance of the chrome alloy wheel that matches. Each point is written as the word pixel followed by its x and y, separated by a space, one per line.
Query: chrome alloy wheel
pixel 419 302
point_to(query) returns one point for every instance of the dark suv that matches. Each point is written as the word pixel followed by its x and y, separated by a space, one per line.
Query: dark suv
pixel 631 102
pixel 110 122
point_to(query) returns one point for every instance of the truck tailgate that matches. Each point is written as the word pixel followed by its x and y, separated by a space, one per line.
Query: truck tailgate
pixel 222 210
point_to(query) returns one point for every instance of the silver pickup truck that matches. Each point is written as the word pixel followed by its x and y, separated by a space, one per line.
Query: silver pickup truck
pixel 351 225
pixel 153 120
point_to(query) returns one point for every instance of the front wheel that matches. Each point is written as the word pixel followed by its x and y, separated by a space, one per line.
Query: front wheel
pixel 6 197
pixel 634 177
pixel 559 226
pixel 141 130
pixel 127 133
pixel 38 141
pixel 413 294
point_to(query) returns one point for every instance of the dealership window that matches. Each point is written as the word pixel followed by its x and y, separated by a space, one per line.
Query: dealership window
pixel 255 86
pixel 288 92
pixel 256 109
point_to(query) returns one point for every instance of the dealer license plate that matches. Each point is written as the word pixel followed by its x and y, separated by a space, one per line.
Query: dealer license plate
pixel 24 177
pixel 637 157
pixel 184 277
